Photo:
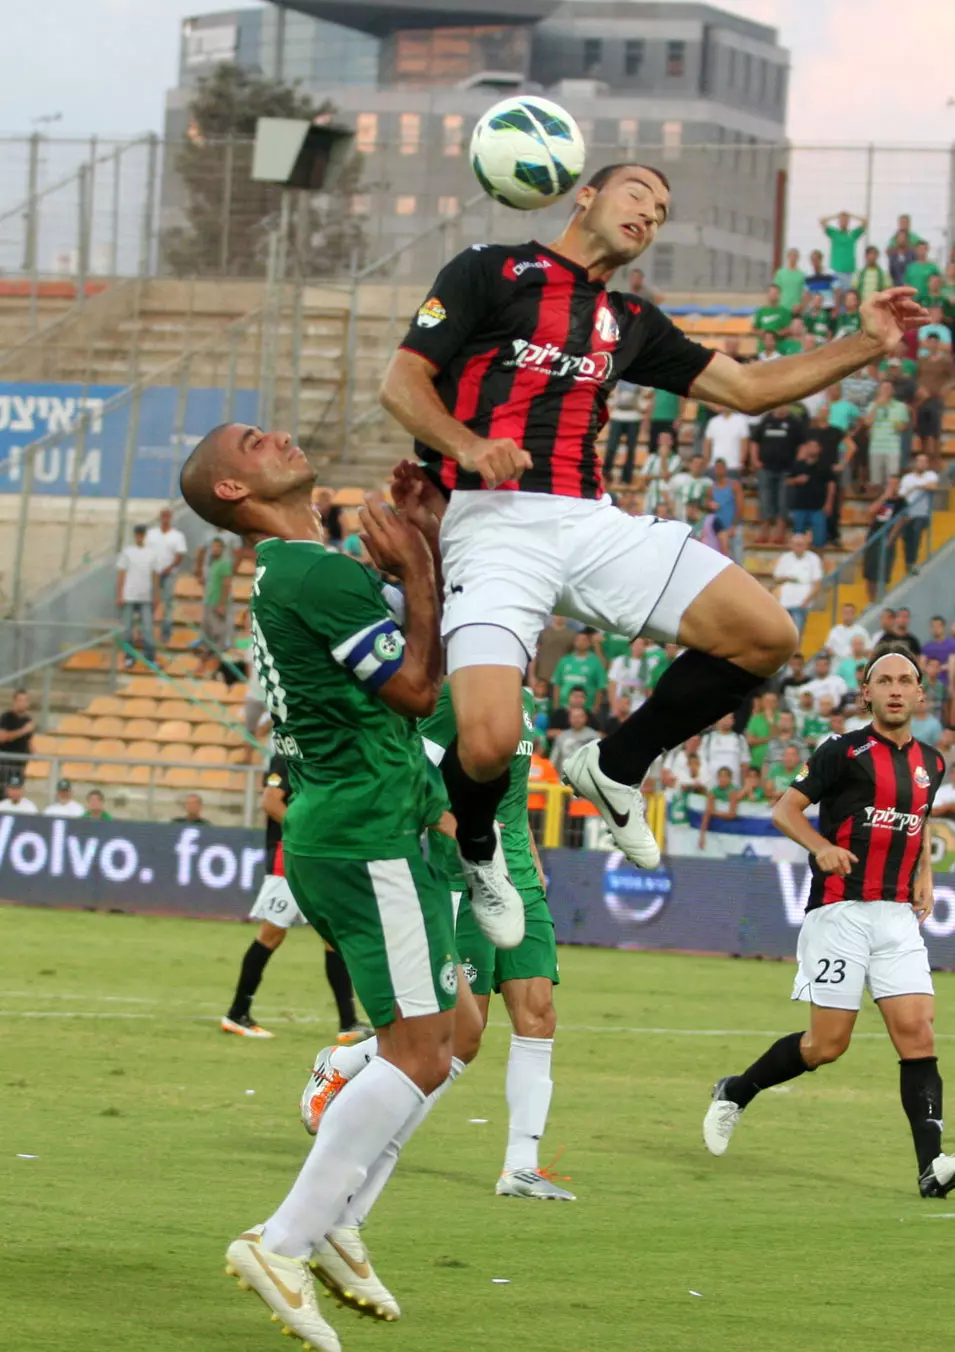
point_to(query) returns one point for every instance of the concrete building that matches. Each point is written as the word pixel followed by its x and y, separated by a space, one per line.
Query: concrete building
pixel 698 90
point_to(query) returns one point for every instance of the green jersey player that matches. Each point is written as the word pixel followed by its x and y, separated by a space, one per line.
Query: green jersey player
pixel 343 684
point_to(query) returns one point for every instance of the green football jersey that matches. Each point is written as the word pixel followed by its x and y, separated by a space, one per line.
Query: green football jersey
pixel 439 730
pixel 323 640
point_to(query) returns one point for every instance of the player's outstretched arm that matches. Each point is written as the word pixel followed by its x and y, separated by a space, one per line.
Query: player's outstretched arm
pixel 408 393
pixel 789 818
pixel 398 547
pixel 761 386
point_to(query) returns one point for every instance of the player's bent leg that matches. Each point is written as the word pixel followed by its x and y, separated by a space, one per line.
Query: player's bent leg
pixel 909 1021
pixel 487 709
pixel 736 619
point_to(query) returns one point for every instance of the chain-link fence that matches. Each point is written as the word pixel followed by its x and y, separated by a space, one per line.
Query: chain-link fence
pixel 98 209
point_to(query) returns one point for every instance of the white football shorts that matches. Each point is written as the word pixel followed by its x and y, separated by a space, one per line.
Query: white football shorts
pixel 513 559
pixel 276 904
pixel 849 946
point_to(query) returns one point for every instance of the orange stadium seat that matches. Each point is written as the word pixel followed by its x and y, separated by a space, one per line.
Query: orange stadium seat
pixel 175 751
pixel 138 708
pixel 140 774
pixel 74 746
pixel 83 770
pixel 350 497
pixel 107 727
pixel 91 659
pixel 188 588
pixel 149 687
pixel 210 755
pixel 179 777
pixel 37 769
pixel 223 780
pixel 106 706
pixel 209 734
pixel 174 730
pixel 181 709
pixel 74 725
pixel 246 567
pixel 111 748
pixel 142 750
pixel 111 774
pixel 241 588
pixel 44 744
pixel 141 729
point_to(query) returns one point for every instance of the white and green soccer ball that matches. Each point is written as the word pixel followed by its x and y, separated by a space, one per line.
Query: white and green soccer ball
pixel 527 152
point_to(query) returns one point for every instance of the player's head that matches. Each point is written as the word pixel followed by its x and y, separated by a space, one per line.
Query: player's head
pixel 622 207
pixel 236 471
pixel 892 686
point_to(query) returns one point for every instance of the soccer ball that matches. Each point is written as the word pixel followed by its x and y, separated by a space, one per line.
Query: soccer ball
pixel 527 152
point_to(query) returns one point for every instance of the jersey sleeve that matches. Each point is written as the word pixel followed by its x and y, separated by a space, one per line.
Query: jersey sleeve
pixel 459 299
pixel 822 771
pixel 668 360
pixel 439 729
pixel 340 602
pixel 276 776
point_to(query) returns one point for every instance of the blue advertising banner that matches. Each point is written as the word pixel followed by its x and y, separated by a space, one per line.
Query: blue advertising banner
pixel 29 411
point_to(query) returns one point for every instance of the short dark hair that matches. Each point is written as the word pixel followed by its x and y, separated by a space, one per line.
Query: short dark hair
pixel 890 649
pixel 601 177
pixel 578 690
pixel 940 619
pixel 197 483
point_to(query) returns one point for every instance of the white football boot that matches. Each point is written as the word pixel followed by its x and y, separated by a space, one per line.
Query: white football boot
pixel 621 805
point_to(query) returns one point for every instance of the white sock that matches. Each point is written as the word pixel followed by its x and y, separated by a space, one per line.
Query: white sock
pixel 358 1207
pixel 348 1061
pixel 529 1088
pixel 356 1128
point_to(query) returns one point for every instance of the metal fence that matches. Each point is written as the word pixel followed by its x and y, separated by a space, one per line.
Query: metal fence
pixel 100 209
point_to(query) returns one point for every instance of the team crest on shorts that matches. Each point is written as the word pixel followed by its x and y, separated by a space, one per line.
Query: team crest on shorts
pixel 470 973
pixel 431 314
pixel 448 978
pixel 922 777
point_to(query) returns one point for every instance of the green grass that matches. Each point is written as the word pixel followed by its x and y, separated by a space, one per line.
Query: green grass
pixel 152 1156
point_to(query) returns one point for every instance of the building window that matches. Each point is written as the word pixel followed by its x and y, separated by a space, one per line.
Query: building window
pixel 453 133
pixel 366 132
pixel 447 206
pixel 731 69
pixel 733 222
pixel 593 54
pixel 663 264
pixel 409 133
pixel 747 71
pixel 762 80
pixel 406 205
pixel 633 53
pixel 628 131
pixel 676 58
pixel 360 203
pixel 780 85
pixel 672 140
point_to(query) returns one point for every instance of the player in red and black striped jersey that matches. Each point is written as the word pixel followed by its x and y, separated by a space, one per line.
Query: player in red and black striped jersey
pixel 871 887
pixel 503 379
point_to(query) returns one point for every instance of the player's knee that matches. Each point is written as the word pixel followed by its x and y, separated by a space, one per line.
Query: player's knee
pixel 487 750
pixel 914 1038
pixel 774 640
pixel 534 1014
pixel 825 1049
pixel 271 936
pixel 468 1030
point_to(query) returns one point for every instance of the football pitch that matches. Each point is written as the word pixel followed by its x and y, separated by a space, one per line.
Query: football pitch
pixel 138 1140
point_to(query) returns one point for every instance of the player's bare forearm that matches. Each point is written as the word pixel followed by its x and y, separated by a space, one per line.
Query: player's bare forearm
pixel 274 804
pixel 408 394
pixel 764 385
pixel 423 664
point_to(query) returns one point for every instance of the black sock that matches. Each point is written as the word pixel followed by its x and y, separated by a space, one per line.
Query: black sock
pixel 340 982
pixel 474 805
pixel 921 1088
pixel 253 965
pixel 692 693
pixel 783 1061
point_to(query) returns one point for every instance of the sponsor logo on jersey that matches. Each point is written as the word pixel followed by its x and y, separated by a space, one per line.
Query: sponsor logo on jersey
pixel 514 269
pixel 594 368
pixel 859 750
pixel 888 818
pixel 922 777
pixel 606 325
pixel 448 978
pixel 431 314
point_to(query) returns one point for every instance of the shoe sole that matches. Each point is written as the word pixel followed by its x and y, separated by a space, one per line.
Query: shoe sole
pixel 535 1197
pixel 246 1032
pixel 343 1297
pixel 289 1332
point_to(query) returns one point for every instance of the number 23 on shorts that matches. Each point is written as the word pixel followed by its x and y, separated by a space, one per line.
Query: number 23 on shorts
pixel 831 971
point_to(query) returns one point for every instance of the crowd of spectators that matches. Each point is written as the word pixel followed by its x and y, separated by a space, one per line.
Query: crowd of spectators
pixel 586 683
pixel 875 435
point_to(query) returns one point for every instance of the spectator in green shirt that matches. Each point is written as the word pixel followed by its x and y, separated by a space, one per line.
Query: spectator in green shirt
pixel 871 277
pixel 904 227
pixel 790 281
pixel 817 317
pixel 843 413
pixel 780 774
pixel 96 807
pixel 920 270
pixel 217 582
pixel 788 347
pixel 720 801
pixel 665 414
pixel 848 320
pixel 752 790
pixel 761 728
pixel 773 317
pixel 581 667
pixel 842 243
pixel 948 296
pixel 654 664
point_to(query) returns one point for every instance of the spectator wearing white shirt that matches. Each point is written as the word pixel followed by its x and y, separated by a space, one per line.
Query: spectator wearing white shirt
pixel 624 676
pixel 168 545
pixel 918 488
pixel 722 745
pixel 64 804
pixel 136 589
pixel 825 682
pixel 727 438
pixel 15 800
pixel 676 762
pixel 839 640
pixel 860 716
pixel 944 805
pixel 800 573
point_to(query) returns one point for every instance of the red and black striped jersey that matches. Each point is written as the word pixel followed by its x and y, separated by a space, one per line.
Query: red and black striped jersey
pixel 275 777
pixel 873 799
pixel 526 346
